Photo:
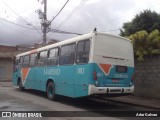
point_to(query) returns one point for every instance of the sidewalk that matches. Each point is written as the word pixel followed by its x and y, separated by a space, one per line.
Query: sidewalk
pixel 6 83
pixel 137 101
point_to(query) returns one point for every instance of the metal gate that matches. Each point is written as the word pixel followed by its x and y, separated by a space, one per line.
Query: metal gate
pixel 3 74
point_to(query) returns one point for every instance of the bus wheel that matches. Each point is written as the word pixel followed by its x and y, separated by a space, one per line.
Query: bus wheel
pixel 20 85
pixel 51 91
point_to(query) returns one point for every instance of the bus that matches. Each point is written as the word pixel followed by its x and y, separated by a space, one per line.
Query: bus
pixel 91 64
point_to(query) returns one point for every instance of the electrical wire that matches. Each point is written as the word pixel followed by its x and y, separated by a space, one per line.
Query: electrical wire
pixel 13 30
pixel 64 32
pixel 8 15
pixel 16 24
pixel 22 18
pixel 60 10
pixel 74 10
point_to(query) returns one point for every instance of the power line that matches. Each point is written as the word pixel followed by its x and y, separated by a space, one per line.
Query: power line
pixel 60 10
pixel 8 15
pixel 21 33
pixel 16 24
pixel 74 10
pixel 21 17
pixel 64 32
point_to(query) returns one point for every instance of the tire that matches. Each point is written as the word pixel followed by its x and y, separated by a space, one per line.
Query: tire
pixel 51 91
pixel 20 85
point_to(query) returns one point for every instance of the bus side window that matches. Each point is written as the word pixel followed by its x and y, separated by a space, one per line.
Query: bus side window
pixel 20 62
pixel 67 56
pixel 42 61
pixel 83 49
pixel 26 61
pixel 33 58
pixel 53 56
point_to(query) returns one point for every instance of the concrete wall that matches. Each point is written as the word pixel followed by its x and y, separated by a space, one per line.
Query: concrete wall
pixel 147 77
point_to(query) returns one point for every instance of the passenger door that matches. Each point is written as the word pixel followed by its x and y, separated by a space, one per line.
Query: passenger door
pixel 81 78
pixel 67 67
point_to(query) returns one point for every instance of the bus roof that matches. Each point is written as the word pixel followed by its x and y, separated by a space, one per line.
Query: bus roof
pixel 68 41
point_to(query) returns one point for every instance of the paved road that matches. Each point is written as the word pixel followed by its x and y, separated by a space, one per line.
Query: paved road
pixel 11 99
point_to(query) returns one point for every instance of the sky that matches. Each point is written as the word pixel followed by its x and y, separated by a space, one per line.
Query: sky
pixel 17 18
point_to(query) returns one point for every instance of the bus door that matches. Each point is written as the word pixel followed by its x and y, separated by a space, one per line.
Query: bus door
pixel 67 69
pixel 82 69
pixel 41 66
pixel 28 71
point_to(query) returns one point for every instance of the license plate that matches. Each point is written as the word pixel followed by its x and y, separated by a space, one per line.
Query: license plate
pixel 115 80
pixel 121 69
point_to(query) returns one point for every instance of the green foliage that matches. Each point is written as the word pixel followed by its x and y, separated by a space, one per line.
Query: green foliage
pixel 146 20
pixel 145 43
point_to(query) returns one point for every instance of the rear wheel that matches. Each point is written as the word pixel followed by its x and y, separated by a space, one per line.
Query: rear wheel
pixel 20 85
pixel 51 91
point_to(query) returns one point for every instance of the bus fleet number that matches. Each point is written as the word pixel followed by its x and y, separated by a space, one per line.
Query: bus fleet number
pixel 80 71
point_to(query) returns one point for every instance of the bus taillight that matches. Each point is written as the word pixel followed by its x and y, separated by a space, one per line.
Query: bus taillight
pixel 95 75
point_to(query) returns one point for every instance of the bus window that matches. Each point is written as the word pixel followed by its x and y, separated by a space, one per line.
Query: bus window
pixel 53 57
pixel 26 61
pixel 83 52
pixel 20 62
pixel 67 56
pixel 42 61
pixel 33 58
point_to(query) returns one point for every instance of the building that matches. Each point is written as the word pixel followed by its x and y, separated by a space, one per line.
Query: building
pixel 51 41
pixel 7 55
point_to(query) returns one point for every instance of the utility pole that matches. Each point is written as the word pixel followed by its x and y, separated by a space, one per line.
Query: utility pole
pixel 44 26
pixel 44 22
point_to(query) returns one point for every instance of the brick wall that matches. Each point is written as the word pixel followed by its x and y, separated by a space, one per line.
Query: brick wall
pixel 147 77
pixel 7 48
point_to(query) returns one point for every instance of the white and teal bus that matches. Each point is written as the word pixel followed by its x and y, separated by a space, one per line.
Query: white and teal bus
pixel 91 64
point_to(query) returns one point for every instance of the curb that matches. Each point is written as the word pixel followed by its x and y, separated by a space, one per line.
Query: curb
pixel 133 104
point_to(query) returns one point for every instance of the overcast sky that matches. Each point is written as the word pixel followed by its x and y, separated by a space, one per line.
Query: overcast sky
pixel 80 16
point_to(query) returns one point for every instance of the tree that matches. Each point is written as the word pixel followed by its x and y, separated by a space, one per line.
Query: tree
pixel 145 43
pixel 147 20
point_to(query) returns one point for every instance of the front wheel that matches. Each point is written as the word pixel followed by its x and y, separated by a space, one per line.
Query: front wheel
pixel 51 91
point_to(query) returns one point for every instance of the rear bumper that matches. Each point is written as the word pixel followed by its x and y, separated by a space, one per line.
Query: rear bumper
pixel 110 90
